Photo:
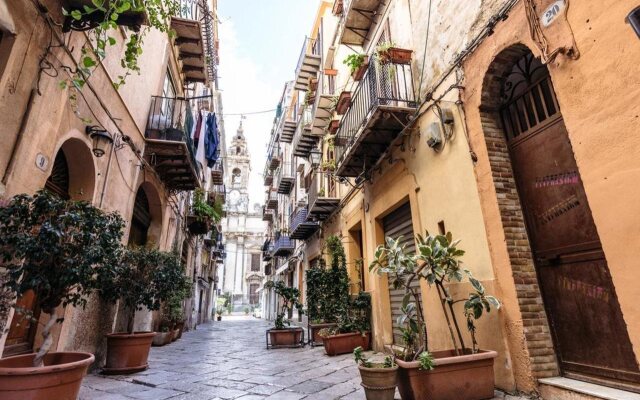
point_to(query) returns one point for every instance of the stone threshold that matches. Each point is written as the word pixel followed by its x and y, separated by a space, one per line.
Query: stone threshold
pixel 589 389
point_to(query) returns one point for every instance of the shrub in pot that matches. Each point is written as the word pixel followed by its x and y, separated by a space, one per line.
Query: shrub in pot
pixel 58 251
pixel 144 279
pixel 437 375
pixel 357 64
pixel 282 335
pixel 378 378
pixel 173 313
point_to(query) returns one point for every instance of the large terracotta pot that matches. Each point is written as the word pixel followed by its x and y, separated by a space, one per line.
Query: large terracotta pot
pixel 128 353
pixel 345 342
pixel 162 338
pixel 180 327
pixel 314 330
pixel 290 337
pixel 174 334
pixel 467 377
pixel 379 383
pixel 59 379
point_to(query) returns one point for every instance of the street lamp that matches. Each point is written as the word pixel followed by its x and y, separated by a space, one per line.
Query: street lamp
pixel 315 157
pixel 101 140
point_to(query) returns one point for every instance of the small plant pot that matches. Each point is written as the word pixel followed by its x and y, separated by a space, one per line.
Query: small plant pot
pixel 345 342
pixel 313 84
pixel 444 381
pixel 314 329
pixel 358 74
pixel 128 353
pixel 60 378
pixel 198 226
pixel 344 102
pixel 396 55
pixel 333 126
pixel 338 7
pixel 219 318
pixel 290 337
pixel 379 383
pixel 162 338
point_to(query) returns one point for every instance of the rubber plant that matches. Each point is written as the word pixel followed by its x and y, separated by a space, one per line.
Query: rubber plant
pixel 145 278
pixel 290 299
pixel 104 35
pixel 438 262
pixel 61 250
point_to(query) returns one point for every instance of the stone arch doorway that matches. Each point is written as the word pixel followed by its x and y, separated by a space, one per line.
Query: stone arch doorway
pixel 146 219
pixel 558 264
pixel 72 177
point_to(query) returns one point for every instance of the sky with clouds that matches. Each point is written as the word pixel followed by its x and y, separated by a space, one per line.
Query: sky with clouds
pixel 260 41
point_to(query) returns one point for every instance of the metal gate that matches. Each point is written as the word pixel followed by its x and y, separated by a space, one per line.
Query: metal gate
pixel 590 334
pixel 398 223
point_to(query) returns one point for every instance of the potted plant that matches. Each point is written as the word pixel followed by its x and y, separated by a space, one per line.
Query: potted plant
pixel 202 214
pixel 163 336
pixel 328 166
pixel 282 335
pixel 219 314
pixel 353 328
pixel 173 311
pixel 378 378
pixel 344 102
pixel 424 374
pixel 318 299
pixel 333 126
pixel 357 64
pixel 388 53
pixel 309 97
pixel 57 251
pixel 144 279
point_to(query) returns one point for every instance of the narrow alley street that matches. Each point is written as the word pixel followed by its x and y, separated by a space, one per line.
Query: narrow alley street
pixel 228 360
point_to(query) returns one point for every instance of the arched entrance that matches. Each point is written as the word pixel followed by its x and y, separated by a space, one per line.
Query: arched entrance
pixel 146 219
pixel 544 206
pixel 72 177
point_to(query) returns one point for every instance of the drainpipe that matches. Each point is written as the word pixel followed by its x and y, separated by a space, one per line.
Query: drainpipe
pixel 18 143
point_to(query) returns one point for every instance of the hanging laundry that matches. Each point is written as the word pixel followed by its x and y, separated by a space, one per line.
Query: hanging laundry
pixel 212 140
pixel 201 138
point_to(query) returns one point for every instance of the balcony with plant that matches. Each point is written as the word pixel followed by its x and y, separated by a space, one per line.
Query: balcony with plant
pixel 322 195
pixel 202 214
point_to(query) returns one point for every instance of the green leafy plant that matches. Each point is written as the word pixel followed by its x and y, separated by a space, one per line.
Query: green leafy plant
pixel 59 250
pixel 202 210
pixel 426 361
pixel 358 355
pixel 382 52
pixel 107 14
pixel 354 61
pixel 290 299
pixel 329 165
pixel 173 307
pixel 144 279
pixel 438 263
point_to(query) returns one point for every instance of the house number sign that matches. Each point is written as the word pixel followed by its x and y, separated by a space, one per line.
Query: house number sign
pixel 551 13
pixel 42 162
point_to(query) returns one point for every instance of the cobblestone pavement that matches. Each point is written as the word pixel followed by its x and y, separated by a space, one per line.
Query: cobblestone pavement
pixel 228 360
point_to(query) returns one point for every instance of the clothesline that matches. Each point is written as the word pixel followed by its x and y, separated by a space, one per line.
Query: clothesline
pixel 250 113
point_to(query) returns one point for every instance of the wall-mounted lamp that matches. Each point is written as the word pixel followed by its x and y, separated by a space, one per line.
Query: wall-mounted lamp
pixel 101 140
pixel 315 156
pixel 633 19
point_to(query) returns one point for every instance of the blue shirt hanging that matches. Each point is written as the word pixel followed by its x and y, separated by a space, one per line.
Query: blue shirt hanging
pixel 211 140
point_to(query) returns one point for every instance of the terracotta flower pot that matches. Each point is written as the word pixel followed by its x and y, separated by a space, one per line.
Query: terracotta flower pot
pixel 467 377
pixel 358 74
pixel 219 318
pixel 289 337
pixel 396 55
pixel 314 330
pixel 379 383
pixel 345 342
pixel 162 338
pixel 334 125
pixel 344 102
pixel 59 379
pixel 128 353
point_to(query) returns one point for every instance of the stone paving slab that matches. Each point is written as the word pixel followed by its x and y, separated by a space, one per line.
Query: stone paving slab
pixel 228 360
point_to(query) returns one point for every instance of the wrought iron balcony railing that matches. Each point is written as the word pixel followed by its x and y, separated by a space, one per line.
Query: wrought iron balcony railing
pixel 308 62
pixel 380 107
pixel 323 199
pixel 283 245
pixel 304 141
pixel 300 226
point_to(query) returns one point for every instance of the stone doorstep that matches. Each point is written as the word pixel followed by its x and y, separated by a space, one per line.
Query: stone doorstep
pixel 552 388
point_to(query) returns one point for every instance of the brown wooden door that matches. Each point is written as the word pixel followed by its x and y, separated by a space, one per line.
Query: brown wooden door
pixel 590 334
pixel 23 326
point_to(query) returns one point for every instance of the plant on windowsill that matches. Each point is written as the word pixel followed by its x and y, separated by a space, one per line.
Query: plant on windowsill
pixel 202 214
pixel 54 252
pixel 378 378
pixel 357 64
pixel 438 263
pixel 144 279
pixel 282 335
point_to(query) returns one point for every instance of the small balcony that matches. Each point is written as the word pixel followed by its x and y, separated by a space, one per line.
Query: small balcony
pixel 300 226
pixel 217 172
pixel 381 106
pixel 267 215
pixel 283 246
pixel 358 19
pixel 267 250
pixel 268 176
pixel 218 192
pixel 323 105
pixel 308 63
pixel 286 179
pixel 273 161
pixel 304 141
pixel 193 29
pixel 272 200
pixel 288 130
pixel 169 149
pixel 323 200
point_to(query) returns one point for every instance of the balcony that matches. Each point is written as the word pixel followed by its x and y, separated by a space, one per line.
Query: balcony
pixel 308 63
pixel 381 106
pixel 323 200
pixel 358 18
pixel 286 179
pixel 267 250
pixel 268 176
pixel 218 192
pixel 267 215
pixel 193 27
pixel 288 130
pixel 273 161
pixel 283 246
pixel 300 226
pixel 169 149
pixel 304 141
pixel 217 172
pixel 323 105
pixel 272 200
